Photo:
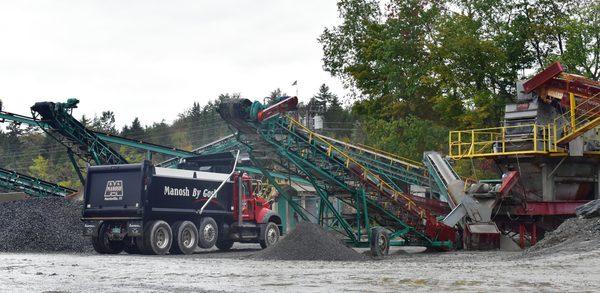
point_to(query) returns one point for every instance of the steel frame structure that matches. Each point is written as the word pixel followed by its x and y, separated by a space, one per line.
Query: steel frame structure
pixel 11 180
pixel 338 176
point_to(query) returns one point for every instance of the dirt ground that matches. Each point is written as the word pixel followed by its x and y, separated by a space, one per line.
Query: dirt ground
pixel 234 271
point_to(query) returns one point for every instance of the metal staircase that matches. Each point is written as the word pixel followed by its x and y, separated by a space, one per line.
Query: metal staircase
pixel 353 197
pixel 581 117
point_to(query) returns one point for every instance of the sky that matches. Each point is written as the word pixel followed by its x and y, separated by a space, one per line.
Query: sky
pixel 153 59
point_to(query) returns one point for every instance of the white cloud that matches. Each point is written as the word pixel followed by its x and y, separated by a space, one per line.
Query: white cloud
pixel 152 59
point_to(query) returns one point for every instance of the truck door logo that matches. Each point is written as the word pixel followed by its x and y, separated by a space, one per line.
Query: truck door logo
pixel 114 190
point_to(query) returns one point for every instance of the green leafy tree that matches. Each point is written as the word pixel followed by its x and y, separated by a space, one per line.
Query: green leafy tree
pixel 408 137
pixel 40 168
pixel 582 52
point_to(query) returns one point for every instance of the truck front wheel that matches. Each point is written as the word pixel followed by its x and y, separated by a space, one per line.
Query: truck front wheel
pixel 158 237
pixel 103 245
pixel 186 238
pixel 270 235
pixel 208 233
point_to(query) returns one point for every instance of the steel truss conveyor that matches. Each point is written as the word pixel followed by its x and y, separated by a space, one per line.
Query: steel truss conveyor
pixel 93 146
pixel 14 181
pixel 354 197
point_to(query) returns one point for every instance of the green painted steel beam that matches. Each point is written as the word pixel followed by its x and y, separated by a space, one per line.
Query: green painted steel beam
pixel 255 170
pixel 139 144
pixel 325 198
pixel 133 143
pixel 6 116
pixel 32 186
pixel 283 194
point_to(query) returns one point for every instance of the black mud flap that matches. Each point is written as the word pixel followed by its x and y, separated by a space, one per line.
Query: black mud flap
pixel 90 228
pixel 134 228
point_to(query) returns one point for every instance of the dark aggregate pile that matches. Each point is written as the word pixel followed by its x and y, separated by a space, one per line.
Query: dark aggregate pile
pixel 572 236
pixel 589 210
pixel 310 242
pixel 42 225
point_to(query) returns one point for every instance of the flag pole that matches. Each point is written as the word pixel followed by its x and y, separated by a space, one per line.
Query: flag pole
pixel 295 83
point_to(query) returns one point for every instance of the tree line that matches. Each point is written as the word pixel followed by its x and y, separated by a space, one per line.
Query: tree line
pixel 28 150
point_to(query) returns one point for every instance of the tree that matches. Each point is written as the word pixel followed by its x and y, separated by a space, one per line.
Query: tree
pixel 85 121
pixel 582 50
pixel 453 62
pixel 408 137
pixel 105 123
pixel 274 96
pixel 136 130
pixel 40 168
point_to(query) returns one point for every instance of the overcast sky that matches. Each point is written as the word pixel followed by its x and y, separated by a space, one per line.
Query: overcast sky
pixel 153 59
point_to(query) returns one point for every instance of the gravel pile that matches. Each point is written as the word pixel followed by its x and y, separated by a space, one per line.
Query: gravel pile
pixel 42 225
pixel 589 210
pixel 573 235
pixel 310 242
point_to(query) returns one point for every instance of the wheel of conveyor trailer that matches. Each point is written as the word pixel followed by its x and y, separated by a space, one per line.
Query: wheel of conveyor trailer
pixel 157 239
pixel 380 242
pixel 186 237
pixel 102 243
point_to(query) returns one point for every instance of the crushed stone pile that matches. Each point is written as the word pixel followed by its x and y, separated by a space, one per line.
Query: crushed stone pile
pixel 589 210
pixel 309 241
pixel 42 225
pixel 573 235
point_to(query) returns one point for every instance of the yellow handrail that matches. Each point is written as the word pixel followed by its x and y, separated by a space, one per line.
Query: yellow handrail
pixel 580 118
pixel 367 174
pixel 504 140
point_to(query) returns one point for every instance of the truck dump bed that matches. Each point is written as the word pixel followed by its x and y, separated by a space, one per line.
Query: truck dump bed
pixel 142 190
pixel 115 190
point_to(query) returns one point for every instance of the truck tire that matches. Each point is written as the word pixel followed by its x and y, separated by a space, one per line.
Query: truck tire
pixel 208 233
pixel 270 236
pixel 380 242
pixel 103 245
pixel 157 239
pixel 224 245
pixel 186 237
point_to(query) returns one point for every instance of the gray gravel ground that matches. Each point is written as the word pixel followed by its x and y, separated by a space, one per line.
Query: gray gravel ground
pixel 567 260
pixel 236 272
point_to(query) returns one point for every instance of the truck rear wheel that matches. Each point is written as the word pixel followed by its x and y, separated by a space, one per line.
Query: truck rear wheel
pixel 270 236
pixel 186 238
pixel 158 238
pixel 208 233
pixel 103 245
pixel 224 245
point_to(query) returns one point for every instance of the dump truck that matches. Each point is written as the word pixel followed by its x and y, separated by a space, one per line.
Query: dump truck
pixel 141 208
